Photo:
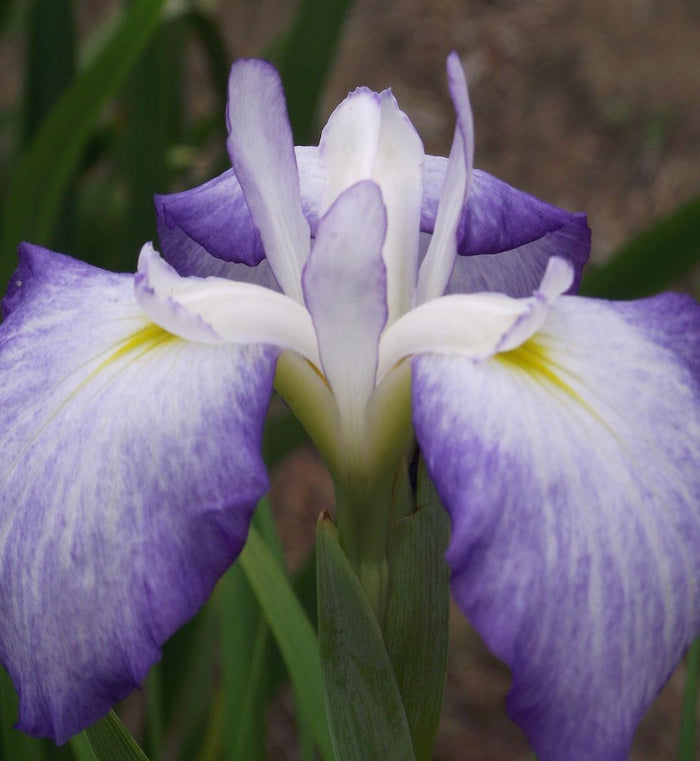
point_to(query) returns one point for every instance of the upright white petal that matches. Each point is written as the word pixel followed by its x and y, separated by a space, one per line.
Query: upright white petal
pixel 262 153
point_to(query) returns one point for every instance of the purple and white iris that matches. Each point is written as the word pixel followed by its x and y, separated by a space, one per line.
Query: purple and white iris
pixel 387 294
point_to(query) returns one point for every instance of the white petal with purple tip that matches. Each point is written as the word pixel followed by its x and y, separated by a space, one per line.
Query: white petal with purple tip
pixel 215 310
pixel 474 325
pixel 345 290
pixel 262 153
pixel 439 260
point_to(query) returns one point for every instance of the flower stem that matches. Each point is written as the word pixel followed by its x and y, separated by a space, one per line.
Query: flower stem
pixel 364 522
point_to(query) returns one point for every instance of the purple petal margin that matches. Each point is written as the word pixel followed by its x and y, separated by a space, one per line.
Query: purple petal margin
pixel 508 235
pixel 131 466
pixel 213 218
pixel 572 477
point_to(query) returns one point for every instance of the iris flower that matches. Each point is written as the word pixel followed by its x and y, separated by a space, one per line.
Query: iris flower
pixel 388 295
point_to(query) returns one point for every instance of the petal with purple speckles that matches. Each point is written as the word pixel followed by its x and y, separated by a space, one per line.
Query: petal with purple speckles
pixel 569 466
pixel 131 466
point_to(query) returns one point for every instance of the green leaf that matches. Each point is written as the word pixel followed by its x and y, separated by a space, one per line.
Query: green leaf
pixel 46 167
pixel 365 710
pixel 50 59
pixel 14 744
pixel 417 619
pixel 50 69
pixel 147 103
pixel 217 56
pixel 154 711
pixel 80 746
pixel 110 741
pixel 292 631
pixel 687 740
pixel 243 645
pixel 305 61
pixel 662 254
pixel 189 664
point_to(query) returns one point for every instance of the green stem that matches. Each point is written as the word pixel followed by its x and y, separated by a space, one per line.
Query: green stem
pixel 363 509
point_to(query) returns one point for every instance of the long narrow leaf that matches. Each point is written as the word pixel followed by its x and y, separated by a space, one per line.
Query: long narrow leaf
pixel 50 59
pixel 243 645
pixel 187 676
pixel 366 713
pixel 144 142
pixel 662 254
pixel 49 162
pixel 80 746
pixel 110 741
pixel 306 58
pixel 214 48
pixel 14 744
pixel 154 713
pixel 293 632
pixel 417 618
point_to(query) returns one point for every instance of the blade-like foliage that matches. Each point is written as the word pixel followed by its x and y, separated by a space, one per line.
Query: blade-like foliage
pixel 110 741
pixel 664 253
pixel 48 163
pixel 305 59
pixel 687 741
pixel 365 710
pixel 292 631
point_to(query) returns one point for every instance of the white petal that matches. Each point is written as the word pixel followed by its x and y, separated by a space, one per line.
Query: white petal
pixel 369 137
pixel 474 325
pixel 439 260
pixel 345 289
pixel 262 153
pixel 215 310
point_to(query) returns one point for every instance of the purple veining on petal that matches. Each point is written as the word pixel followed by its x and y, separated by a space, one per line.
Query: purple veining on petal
pixel 498 218
pixel 216 217
pixel 132 463
pixel 575 513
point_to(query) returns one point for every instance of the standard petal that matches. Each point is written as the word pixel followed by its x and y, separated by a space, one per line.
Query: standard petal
pixel 131 465
pixel 215 217
pixel 439 260
pixel 369 137
pixel 570 470
pixel 262 154
pixel 506 236
pixel 345 290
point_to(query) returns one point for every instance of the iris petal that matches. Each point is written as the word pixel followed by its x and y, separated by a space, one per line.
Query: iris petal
pixel 475 325
pixel 213 310
pixel 369 137
pixel 570 469
pixel 439 260
pixel 131 465
pixel 215 217
pixel 262 153
pixel 506 236
pixel 345 289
